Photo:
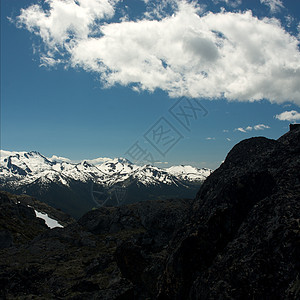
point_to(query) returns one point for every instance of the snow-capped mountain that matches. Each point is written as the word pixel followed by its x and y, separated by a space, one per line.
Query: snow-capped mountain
pixel 34 174
pixel 22 168
pixel 189 173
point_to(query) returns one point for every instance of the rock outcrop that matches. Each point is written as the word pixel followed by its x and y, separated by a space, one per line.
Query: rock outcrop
pixel 242 241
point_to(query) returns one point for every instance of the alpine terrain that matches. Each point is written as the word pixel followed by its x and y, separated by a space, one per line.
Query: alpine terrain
pixel 76 188
pixel 238 239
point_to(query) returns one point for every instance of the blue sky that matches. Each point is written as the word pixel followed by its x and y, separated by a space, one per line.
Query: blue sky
pixel 97 78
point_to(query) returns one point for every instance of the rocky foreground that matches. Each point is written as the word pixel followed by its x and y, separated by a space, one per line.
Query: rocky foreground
pixel 238 239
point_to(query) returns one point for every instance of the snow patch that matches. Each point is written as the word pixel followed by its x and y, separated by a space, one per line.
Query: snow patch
pixel 51 223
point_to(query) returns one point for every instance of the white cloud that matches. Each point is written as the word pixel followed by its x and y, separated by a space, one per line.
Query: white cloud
pixel 233 3
pixel 225 130
pixel 210 138
pixel 274 5
pixel 232 55
pixel 261 127
pixel 291 116
pixel 55 158
pixel 250 128
pixel 66 22
pixel 289 20
pixel 98 161
pixel 95 161
pixel 158 9
pixel 228 139
pixel 240 129
pixel 48 61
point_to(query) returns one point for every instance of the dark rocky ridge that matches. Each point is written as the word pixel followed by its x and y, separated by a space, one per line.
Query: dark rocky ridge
pixel 238 239
pixel 242 241
pixel 87 259
pixel 18 222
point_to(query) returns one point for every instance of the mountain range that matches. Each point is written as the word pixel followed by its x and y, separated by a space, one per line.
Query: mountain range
pixel 237 239
pixel 78 187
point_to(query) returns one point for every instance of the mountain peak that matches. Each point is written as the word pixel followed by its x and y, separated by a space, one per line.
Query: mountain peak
pixel 123 160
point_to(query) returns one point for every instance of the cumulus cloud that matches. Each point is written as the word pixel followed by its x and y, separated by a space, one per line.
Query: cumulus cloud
pixel 65 19
pixel 210 138
pixel 250 128
pixel 291 116
pixel 188 53
pixel 274 5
